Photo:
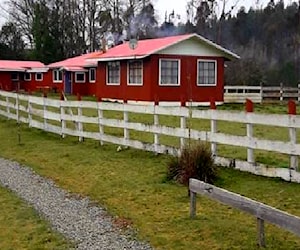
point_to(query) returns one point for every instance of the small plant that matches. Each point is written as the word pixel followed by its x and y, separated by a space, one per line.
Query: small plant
pixel 195 161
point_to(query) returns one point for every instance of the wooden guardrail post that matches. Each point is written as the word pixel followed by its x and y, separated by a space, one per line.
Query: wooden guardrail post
pixel 100 119
pixel 193 196
pixel 79 113
pixel 213 127
pixel 250 151
pixel 293 136
pixel 261 233
pixel 261 211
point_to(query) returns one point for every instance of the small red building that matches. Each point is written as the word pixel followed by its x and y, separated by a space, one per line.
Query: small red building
pixel 74 75
pixel 21 75
pixel 171 69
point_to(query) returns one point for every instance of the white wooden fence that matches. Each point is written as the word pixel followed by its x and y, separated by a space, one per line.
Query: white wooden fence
pixel 258 94
pixel 54 116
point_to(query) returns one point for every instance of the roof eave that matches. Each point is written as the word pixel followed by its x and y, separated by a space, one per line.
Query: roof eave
pixel 108 59
pixel 12 70
pixel 229 55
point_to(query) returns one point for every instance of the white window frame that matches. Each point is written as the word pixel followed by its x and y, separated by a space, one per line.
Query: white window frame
pixel 42 76
pixel 56 74
pixel 179 71
pixel 15 79
pixel 107 75
pixel 27 74
pixel 216 71
pixel 90 70
pixel 128 73
pixel 80 73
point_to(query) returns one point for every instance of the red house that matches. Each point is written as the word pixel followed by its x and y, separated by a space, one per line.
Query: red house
pixel 21 75
pixel 171 69
pixel 74 75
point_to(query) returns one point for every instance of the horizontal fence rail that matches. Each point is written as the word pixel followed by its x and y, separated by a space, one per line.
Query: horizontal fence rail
pixel 258 94
pixel 261 211
pixel 70 118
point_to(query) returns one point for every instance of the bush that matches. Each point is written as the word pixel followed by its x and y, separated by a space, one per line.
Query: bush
pixel 195 161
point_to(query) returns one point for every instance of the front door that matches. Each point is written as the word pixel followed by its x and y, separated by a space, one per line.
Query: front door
pixel 68 82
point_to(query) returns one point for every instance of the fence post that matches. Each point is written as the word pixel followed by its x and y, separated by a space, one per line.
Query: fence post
pixel 100 118
pixel 298 92
pixel 261 92
pixel 293 136
pixel 156 123
pixel 7 106
pixel 250 151
pixel 29 112
pixel 79 113
pixel 261 233
pixel 126 120
pixel 193 196
pixel 182 126
pixel 213 128
pixel 62 114
pixel 281 91
pixel 17 108
pixel 45 110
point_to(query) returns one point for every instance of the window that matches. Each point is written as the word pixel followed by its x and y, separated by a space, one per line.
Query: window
pixel 169 72
pixel 113 73
pixel 80 77
pixel 92 75
pixel 57 75
pixel 39 77
pixel 14 76
pixel 135 73
pixel 207 72
pixel 27 76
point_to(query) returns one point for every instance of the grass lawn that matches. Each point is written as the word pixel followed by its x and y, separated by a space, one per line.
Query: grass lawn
pixel 131 185
pixel 21 227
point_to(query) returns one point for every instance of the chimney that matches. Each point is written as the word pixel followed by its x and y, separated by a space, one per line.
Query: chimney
pixel 104 45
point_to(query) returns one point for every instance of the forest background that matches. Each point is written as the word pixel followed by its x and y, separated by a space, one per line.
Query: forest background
pixel 267 38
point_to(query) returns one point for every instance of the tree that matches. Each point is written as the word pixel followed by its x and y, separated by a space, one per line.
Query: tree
pixel 11 43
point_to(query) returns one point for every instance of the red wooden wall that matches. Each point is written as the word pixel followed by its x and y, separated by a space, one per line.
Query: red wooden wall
pixel 151 91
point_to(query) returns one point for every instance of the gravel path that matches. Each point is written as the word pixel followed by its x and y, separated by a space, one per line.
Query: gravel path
pixel 87 225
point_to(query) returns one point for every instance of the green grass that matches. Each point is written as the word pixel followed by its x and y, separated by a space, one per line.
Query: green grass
pixel 131 184
pixel 22 228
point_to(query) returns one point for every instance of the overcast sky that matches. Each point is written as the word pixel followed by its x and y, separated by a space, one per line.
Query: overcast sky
pixel 179 6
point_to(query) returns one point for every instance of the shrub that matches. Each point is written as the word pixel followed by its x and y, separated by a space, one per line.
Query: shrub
pixel 195 161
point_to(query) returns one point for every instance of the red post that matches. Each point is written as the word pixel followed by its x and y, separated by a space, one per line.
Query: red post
pixel 99 99
pixel 62 98
pixel 249 106
pixel 183 102
pixel 125 101
pixel 45 93
pixel 78 97
pixel 292 107
pixel 156 100
pixel 212 104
